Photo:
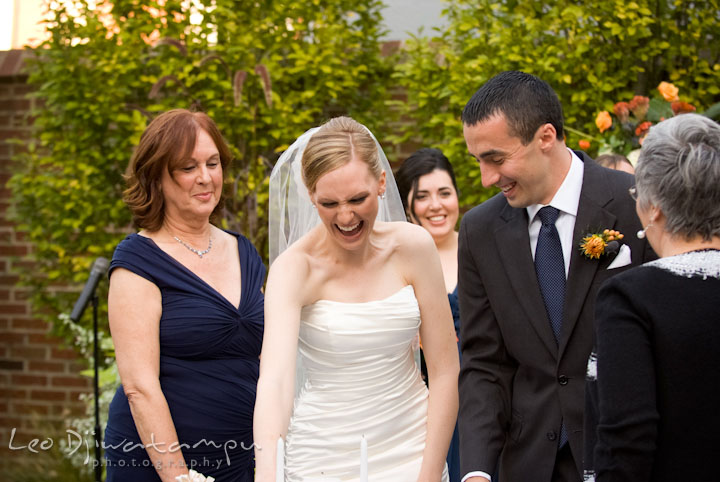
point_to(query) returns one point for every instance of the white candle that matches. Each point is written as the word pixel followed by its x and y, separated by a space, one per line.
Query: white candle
pixel 280 461
pixel 363 460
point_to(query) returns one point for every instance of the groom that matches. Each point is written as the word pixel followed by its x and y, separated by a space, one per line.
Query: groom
pixel 527 292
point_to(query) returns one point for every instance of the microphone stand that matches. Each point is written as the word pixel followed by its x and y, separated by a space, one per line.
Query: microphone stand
pixel 99 268
pixel 96 363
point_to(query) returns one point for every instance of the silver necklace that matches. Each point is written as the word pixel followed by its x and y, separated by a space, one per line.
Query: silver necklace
pixel 199 253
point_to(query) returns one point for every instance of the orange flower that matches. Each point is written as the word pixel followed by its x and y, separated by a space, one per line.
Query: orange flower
pixel 603 121
pixel 594 246
pixel 642 129
pixel 681 107
pixel 668 91
pixel 639 106
pixel 584 144
pixel 622 111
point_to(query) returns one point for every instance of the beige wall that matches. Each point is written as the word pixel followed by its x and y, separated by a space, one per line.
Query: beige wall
pixel 19 20
pixel 19 23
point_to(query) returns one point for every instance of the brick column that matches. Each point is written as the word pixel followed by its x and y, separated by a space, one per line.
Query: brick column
pixel 39 381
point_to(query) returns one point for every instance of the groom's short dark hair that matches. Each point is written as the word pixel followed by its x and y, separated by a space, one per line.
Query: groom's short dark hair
pixel 526 101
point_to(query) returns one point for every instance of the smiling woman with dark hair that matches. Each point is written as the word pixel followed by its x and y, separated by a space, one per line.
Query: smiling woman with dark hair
pixel 658 339
pixel 429 194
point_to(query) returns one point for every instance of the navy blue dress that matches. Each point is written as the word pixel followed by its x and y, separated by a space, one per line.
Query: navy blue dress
pixel 453 457
pixel 209 364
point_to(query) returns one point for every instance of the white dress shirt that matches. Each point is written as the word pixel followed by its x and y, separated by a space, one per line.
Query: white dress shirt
pixel 566 200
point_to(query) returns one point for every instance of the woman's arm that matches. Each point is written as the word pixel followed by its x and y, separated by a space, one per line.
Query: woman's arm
pixel 628 414
pixel 276 386
pixel 134 309
pixel 441 355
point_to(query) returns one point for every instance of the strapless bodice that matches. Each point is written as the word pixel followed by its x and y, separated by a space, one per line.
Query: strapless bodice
pixel 348 345
pixel 360 379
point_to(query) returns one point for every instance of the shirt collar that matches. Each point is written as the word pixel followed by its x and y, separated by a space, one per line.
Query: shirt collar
pixel 567 197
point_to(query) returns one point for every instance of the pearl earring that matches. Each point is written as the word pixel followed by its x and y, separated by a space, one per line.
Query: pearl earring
pixel 642 233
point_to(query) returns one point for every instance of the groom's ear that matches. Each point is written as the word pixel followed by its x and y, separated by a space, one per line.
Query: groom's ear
pixel 546 135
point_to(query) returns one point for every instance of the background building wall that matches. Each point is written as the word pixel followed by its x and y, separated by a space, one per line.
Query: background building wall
pixel 19 20
pixel 403 17
pixel 40 384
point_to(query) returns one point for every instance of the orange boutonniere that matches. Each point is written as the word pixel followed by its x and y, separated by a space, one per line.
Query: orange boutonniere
pixel 595 245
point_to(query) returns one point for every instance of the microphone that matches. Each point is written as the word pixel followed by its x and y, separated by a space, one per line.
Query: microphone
pixel 98 270
pixel 612 247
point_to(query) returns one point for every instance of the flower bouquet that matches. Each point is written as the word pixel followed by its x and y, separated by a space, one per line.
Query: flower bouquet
pixel 193 476
pixel 632 120
pixel 623 130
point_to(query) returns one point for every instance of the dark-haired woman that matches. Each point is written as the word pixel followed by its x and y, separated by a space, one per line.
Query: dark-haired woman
pixel 429 193
pixel 186 315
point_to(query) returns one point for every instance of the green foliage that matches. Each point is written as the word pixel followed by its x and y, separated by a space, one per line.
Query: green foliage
pixel 591 52
pixel 264 71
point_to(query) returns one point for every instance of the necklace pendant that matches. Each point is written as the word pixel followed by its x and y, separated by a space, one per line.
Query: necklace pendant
pixel 199 253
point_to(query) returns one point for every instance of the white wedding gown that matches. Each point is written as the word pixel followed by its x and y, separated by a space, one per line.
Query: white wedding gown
pixel 360 379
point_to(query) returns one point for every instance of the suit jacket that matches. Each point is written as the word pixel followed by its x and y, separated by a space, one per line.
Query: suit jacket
pixel 517 383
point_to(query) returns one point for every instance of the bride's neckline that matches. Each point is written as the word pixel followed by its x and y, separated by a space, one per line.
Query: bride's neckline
pixel 404 288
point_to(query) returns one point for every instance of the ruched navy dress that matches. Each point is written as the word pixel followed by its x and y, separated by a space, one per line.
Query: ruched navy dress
pixel 209 364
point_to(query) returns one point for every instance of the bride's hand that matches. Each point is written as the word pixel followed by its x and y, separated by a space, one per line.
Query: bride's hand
pixel 425 477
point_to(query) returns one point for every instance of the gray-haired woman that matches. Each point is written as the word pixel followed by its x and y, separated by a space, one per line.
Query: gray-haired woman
pixel 658 325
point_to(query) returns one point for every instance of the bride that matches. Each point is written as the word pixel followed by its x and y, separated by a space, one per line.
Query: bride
pixel 346 295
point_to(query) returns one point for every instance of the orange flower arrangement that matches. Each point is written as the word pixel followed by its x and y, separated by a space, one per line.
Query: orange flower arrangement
pixel 625 129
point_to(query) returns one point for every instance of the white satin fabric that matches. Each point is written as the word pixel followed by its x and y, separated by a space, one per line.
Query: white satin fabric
pixel 361 379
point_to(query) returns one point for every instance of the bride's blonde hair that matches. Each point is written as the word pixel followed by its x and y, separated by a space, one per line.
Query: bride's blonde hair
pixel 334 145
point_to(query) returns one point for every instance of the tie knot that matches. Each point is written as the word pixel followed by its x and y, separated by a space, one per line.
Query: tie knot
pixel 548 215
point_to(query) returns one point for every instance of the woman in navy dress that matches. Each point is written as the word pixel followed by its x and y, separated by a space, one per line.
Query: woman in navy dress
pixel 429 194
pixel 186 315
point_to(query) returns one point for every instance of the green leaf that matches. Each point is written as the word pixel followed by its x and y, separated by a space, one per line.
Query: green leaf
pixel 659 110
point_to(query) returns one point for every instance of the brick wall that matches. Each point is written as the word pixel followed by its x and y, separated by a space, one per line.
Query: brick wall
pixel 39 381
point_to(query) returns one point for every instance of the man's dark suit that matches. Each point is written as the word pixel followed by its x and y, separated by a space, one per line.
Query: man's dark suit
pixel 516 383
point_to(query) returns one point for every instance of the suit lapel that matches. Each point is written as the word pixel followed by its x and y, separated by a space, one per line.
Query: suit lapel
pixel 513 244
pixel 591 217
